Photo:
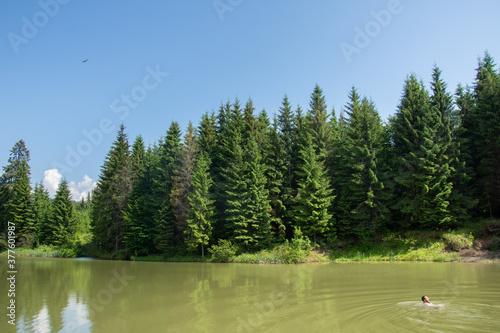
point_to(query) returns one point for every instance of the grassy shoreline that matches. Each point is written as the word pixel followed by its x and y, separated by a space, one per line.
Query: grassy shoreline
pixel 42 251
pixel 434 254
pixel 452 246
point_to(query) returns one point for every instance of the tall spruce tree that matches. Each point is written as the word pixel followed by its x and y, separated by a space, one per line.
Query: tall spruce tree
pixel 137 156
pixel 333 149
pixel 167 237
pixel 111 195
pixel 422 186
pixel 42 211
pixel 16 203
pixel 276 167
pixel 366 211
pixel 262 132
pixel 201 208
pixel 83 229
pixel 334 165
pixel 341 169
pixel 181 180
pixel 62 217
pixel 448 157
pixel 21 208
pixel 234 187
pixel 319 123
pixel 249 122
pixel 300 130
pixel 207 135
pixel 286 132
pixel 139 225
pixel 463 199
pixel 285 148
pixel 486 129
pixel 229 165
pixel 220 159
pixel 311 209
pixel 255 229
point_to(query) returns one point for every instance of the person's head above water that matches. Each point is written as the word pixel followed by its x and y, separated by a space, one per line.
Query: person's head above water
pixel 425 299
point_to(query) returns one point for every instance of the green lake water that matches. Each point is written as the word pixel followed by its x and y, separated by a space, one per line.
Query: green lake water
pixel 79 295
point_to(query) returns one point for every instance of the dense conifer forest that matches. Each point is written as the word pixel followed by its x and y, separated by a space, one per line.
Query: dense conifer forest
pixel 257 180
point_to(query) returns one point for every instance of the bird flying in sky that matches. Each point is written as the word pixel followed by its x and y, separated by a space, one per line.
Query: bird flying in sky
pixel 85 60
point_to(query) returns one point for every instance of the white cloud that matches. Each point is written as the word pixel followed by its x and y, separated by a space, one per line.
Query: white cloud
pixel 82 189
pixel 79 190
pixel 51 180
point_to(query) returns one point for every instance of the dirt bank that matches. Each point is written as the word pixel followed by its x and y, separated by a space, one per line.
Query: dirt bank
pixel 473 255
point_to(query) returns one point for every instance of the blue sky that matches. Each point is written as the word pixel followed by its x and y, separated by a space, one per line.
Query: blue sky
pixel 152 62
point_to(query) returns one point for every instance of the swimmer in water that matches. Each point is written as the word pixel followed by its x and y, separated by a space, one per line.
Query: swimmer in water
pixel 426 301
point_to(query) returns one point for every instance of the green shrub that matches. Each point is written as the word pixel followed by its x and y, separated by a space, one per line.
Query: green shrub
pixel 261 257
pixel 300 242
pixel 411 246
pixel 458 241
pixel 295 251
pixel 223 252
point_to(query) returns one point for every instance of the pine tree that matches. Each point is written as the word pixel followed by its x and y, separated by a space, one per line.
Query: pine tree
pixel 285 150
pixel 139 225
pixel 42 213
pixel 83 229
pixel 469 137
pixel 166 237
pixel 220 159
pixel 462 198
pixel 16 203
pixel 62 218
pixel 365 212
pixel 21 207
pixel 486 129
pixel 228 165
pixel 111 195
pixel 249 122
pixel 314 194
pixel 137 156
pixel 201 209
pixel 257 209
pixel 181 179
pixel 286 130
pixel 234 187
pixel 448 156
pixel 262 132
pixel 301 132
pixel 422 186
pixel 334 148
pixel 343 171
pixel 273 158
pixel 319 123
pixel 207 135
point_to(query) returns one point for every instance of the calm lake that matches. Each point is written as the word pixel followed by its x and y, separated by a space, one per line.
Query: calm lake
pixel 79 295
